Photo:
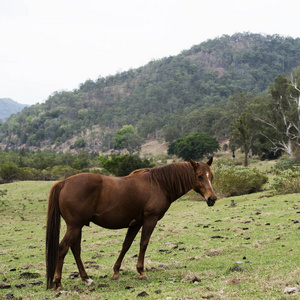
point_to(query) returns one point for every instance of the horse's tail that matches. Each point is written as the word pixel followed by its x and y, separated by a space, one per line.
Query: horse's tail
pixel 52 234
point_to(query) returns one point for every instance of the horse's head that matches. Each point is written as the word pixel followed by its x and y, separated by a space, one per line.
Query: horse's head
pixel 203 179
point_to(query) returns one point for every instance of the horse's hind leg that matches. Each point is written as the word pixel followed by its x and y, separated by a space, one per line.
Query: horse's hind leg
pixel 131 234
pixel 71 236
pixel 76 250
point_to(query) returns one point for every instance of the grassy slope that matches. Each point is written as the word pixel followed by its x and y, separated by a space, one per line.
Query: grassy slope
pixel 249 251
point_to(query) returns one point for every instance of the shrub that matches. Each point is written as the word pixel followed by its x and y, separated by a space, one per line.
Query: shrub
pixel 284 163
pixel 62 172
pixel 30 174
pixel 287 181
pixel 82 161
pixel 9 170
pixel 124 164
pixel 99 171
pixel 236 180
pixel 3 192
pixel 80 143
pixel 228 161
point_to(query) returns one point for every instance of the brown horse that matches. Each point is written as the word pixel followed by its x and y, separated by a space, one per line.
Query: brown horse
pixel 134 201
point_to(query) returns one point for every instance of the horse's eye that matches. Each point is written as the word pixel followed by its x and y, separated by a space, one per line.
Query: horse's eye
pixel 200 177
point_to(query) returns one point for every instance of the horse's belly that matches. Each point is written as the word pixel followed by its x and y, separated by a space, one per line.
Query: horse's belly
pixel 115 222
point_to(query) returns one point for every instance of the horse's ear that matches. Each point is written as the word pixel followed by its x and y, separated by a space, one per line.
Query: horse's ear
pixel 193 163
pixel 209 162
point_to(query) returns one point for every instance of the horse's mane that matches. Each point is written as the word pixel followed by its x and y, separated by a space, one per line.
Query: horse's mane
pixel 174 179
pixel 138 171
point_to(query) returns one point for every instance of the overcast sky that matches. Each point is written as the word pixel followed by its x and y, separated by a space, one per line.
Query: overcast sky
pixel 54 45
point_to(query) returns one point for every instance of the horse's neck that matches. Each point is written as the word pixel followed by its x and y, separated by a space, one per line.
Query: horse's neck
pixel 180 184
pixel 181 193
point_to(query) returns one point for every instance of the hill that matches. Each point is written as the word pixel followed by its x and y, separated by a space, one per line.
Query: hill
pixel 167 98
pixel 9 107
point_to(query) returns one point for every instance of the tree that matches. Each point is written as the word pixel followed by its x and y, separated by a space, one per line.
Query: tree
pixel 107 141
pixel 126 138
pixel 280 113
pixel 237 121
pixel 194 146
pixel 241 124
pixel 243 134
pixel 82 161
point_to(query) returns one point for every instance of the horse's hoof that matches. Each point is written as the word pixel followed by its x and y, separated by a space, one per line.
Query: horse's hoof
pixel 61 292
pixel 51 286
pixel 143 277
pixel 89 282
pixel 115 277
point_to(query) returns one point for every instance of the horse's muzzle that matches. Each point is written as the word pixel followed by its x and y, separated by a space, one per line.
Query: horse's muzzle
pixel 211 201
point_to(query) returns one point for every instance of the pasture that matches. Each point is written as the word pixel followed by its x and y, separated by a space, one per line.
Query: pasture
pixel 247 251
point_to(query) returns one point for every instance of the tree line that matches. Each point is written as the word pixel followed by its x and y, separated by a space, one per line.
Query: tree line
pixel 45 165
pixel 42 165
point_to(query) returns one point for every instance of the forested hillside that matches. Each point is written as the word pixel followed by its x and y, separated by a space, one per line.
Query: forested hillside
pixel 8 107
pixel 171 97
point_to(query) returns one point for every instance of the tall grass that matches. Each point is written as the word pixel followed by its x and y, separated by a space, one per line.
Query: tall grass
pixel 286 181
pixel 237 180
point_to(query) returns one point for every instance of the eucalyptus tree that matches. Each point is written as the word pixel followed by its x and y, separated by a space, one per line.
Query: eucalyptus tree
pixel 242 127
pixel 280 113
pixel 126 138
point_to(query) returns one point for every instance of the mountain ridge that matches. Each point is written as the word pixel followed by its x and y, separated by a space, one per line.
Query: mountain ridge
pixel 8 107
pixel 167 98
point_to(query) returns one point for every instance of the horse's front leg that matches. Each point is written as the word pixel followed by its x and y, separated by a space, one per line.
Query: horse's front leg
pixel 148 227
pixel 131 234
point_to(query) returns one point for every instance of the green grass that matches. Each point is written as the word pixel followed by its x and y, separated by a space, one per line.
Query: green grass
pixel 248 251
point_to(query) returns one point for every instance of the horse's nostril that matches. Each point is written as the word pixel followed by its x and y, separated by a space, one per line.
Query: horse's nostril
pixel 211 201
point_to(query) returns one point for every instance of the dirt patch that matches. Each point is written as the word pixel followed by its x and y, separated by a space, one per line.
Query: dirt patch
pixel 154 147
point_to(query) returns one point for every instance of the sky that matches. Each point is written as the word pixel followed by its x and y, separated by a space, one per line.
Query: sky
pixel 55 45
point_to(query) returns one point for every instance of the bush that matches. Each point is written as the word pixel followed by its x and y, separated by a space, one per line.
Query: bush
pixel 30 174
pixel 9 170
pixel 3 192
pixel 123 165
pixel 62 172
pixel 82 161
pixel 284 163
pixel 287 181
pixel 236 180
pixel 228 161
pixel 80 143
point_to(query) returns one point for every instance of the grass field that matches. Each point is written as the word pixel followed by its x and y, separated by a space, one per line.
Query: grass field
pixel 247 251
